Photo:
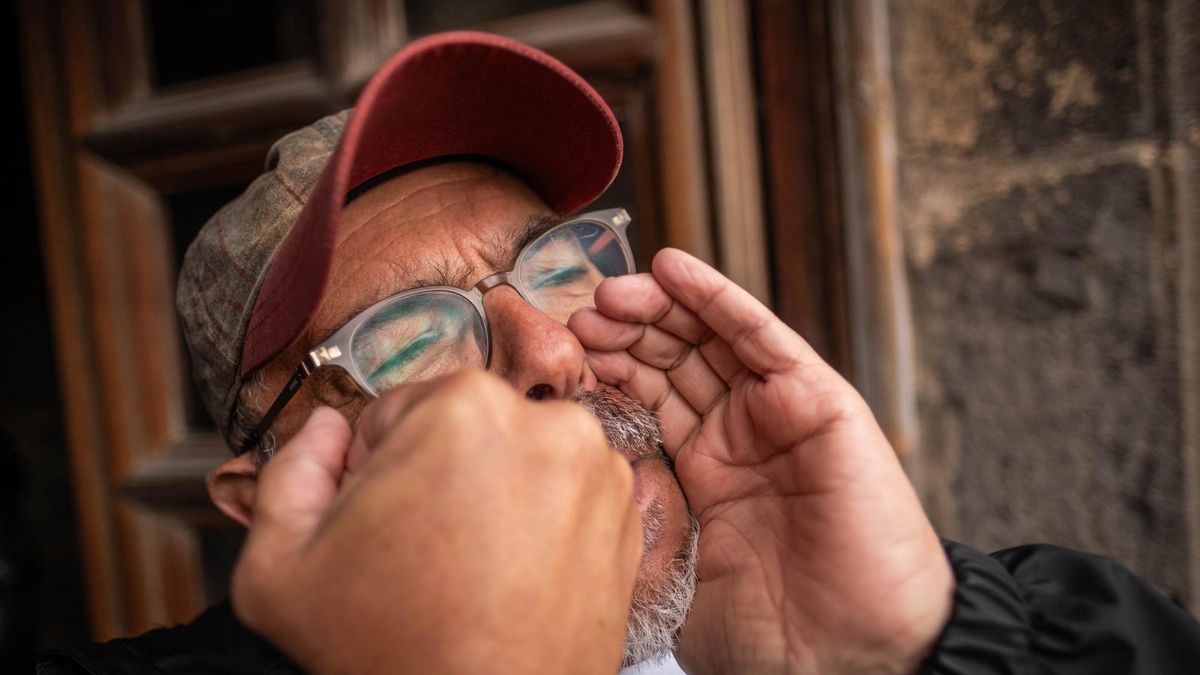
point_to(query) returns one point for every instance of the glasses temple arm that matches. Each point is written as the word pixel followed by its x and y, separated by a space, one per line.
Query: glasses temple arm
pixel 289 390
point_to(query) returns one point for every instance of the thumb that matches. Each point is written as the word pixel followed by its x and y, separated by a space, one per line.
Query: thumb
pixel 300 482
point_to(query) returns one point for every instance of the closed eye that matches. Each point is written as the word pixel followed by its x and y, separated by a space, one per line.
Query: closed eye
pixel 558 277
pixel 405 356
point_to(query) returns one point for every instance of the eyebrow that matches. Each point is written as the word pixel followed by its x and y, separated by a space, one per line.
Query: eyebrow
pixel 455 273
pixel 508 248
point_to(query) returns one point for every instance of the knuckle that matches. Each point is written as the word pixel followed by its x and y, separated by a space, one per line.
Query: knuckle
pixel 839 403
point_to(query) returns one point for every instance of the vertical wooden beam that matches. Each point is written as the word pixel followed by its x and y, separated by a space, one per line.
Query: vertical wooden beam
pixel 682 160
pixel 733 130
pixel 880 319
pixel 123 38
pixel 356 37
pixel 106 255
pixel 805 247
pixel 1183 155
pixel 50 127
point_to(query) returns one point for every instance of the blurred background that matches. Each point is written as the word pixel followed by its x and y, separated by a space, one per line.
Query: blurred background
pixel 985 213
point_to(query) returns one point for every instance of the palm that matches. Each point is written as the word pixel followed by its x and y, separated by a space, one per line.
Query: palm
pixel 810 533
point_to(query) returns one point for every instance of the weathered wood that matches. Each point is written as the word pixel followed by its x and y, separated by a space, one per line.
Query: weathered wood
pixel 67 283
pixel 806 249
pixel 687 218
pixel 173 481
pixel 357 36
pixel 733 134
pixel 199 120
pixel 592 37
pixel 880 321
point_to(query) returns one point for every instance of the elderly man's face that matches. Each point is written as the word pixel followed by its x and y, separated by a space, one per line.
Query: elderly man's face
pixel 454 224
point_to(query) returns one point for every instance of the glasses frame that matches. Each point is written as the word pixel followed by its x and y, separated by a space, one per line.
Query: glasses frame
pixel 336 349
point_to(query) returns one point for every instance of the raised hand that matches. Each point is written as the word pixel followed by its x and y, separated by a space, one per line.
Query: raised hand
pixel 815 554
pixel 469 538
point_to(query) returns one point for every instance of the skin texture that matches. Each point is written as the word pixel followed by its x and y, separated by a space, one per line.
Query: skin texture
pixel 815 555
pixel 460 220
pixel 458 538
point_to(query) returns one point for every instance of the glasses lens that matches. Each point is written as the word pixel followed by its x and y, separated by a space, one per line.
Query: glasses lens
pixel 419 337
pixel 561 270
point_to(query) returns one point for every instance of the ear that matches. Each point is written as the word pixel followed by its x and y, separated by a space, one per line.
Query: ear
pixel 232 487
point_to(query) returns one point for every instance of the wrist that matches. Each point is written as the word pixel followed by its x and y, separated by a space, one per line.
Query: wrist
pixel 909 646
pixel 988 622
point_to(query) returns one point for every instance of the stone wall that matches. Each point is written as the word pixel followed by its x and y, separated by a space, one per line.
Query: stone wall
pixel 1040 227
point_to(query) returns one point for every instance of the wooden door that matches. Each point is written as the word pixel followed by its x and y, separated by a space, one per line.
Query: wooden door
pixel 147 115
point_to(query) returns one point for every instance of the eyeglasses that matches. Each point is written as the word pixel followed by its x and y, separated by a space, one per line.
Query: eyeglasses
pixel 424 332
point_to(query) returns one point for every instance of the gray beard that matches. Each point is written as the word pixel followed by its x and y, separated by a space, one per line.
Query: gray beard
pixel 660 605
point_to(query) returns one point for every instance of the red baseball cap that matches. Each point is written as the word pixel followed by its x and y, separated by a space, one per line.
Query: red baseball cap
pixel 254 277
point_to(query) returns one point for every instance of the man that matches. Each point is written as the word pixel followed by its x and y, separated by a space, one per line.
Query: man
pixel 417 230
pixel 480 521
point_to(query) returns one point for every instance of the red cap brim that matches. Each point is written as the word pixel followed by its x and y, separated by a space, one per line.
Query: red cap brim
pixel 460 93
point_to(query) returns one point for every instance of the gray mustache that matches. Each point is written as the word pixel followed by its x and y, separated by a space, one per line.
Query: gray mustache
pixel 630 428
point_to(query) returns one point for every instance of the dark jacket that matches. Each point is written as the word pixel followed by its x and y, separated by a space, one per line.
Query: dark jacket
pixel 1043 609
pixel 1029 610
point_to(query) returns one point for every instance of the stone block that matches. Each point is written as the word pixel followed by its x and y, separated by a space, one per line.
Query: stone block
pixel 1048 373
pixel 997 77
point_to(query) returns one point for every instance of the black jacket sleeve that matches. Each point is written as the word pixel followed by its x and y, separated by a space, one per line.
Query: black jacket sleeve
pixel 216 643
pixel 1042 609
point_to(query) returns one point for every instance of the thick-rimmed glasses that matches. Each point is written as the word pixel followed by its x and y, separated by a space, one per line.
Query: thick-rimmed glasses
pixel 425 332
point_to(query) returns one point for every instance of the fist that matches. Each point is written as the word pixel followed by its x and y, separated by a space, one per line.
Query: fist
pixel 474 524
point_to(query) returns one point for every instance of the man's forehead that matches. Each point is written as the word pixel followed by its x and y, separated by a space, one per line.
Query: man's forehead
pixel 446 225
pixel 449 261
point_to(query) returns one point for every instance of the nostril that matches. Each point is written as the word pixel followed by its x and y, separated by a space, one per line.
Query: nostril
pixel 539 392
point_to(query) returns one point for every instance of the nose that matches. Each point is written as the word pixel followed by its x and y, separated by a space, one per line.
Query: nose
pixel 537 354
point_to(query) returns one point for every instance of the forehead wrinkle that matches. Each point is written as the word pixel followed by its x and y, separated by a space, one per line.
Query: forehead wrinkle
pixel 498 251
pixel 383 210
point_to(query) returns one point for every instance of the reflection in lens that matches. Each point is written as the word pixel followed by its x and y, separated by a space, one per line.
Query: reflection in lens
pixel 560 271
pixel 417 338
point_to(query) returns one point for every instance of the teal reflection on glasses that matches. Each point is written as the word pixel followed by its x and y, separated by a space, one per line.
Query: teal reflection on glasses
pixel 425 332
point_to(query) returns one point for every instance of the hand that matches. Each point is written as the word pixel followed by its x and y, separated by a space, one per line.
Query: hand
pixel 472 539
pixel 815 555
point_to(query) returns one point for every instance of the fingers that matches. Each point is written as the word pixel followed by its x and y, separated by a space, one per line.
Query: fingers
pixel 638 298
pixel 635 313
pixel 459 395
pixel 300 482
pixel 759 338
pixel 650 387
pixel 378 418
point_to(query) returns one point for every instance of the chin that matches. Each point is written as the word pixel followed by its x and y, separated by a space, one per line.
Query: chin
pixel 666 580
